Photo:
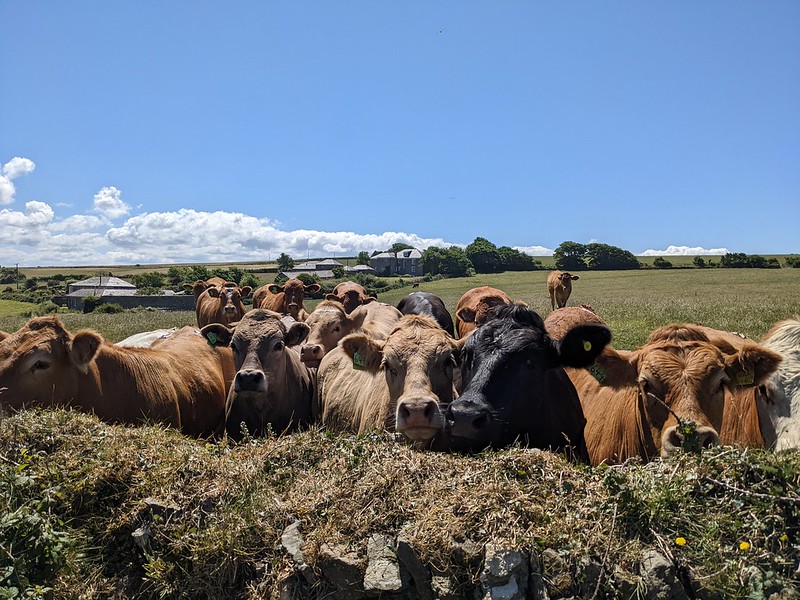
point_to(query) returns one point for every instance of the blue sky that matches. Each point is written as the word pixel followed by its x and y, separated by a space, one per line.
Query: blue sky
pixel 139 132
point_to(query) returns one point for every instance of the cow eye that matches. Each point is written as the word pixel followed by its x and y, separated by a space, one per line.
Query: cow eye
pixel 646 387
pixel 278 346
pixel 40 365
pixel 337 329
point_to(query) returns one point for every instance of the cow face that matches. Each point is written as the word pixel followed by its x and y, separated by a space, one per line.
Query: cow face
pixel 680 375
pixel 328 324
pixel 417 361
pixel 42 364
pixel 230 308
pixel 351 295
pixel 515 386
pixel 778 398
pixel 567 279
pixel 293 292
pixel 259 343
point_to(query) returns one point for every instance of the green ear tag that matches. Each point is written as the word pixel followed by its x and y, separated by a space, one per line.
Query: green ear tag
pixel 745 378
pixel 358 362
pixel 212 338
pixel 587 345
pixel 598 373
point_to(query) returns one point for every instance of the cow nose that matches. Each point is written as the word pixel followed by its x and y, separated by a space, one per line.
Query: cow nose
pixel 250 380
pixel 673 438
pixel 468 421
pixel 417 412
pixel 311 352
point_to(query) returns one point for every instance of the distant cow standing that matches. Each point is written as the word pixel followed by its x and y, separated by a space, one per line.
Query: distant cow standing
pixel 182 383
pixel 474 306
pixel 399 384
pixel 351 295
pixel 286 299
pixel 328 323
pixel 272 388
pixel 425 303
pixel 221 304
pixel 559 286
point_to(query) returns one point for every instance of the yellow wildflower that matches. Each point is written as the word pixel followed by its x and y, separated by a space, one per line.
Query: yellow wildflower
pixel 681 541
pixel 784 538
pixel 744 546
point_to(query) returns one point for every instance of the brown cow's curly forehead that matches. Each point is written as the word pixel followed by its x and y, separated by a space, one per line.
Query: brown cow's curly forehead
pixel 674 363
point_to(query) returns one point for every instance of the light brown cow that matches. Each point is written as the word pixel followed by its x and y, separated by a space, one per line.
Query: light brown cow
pixel 328 324
pixel 182 383
pixel 272 388
pixel 678 374
pixel 221 304
pixel 559 286
pixel 398 384
pixel 473 307
pixel 200 286
pixel 286 299
pixel 351 295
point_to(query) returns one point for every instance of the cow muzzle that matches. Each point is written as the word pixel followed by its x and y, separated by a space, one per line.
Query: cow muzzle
pixel 250 380
pixel 312 354
pixel 674 439
pixel 469 421
pixel 419 419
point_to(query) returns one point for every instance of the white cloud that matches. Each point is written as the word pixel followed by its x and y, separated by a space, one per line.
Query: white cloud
pixel 685 251
pixel 534 250
pixel 108 203
pixel 79 224
pixel 11 170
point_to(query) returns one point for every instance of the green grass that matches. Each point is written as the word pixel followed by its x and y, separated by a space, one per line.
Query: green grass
pixel 12 308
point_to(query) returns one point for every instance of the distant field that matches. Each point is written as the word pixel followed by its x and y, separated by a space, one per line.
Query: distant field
pixel 14 308
pixel 632 302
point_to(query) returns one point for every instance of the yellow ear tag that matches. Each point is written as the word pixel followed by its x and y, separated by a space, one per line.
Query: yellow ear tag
pixel 599 373
pixel 212 338
pixel 358 362
pixel 587 345
pixel 744 378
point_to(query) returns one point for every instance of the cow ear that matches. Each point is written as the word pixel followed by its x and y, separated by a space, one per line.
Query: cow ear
pixel 296 333
pixel 188 287
pixel 367 353
pixel 217 334
pixel 312 288
pixel 582 344
pixel 213 291
pixel 368 299
pixel 274 288
pixel 751 365
pixel 616 368
pixel 466 314
pixel 574 277
pixel 246 291
pixel 332 298
pixel 83 348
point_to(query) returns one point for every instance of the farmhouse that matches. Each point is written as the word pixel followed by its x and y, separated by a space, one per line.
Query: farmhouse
pixel 118 291
pixel 405 262
pixel 321 268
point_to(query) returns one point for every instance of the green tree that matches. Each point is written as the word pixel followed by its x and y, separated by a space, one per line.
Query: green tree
pixel 661 263
pixel 338 272
pixel 148 280
pixel 398 246
pixel 793 261
pixel 484 256
pixel 363 258
pixel 698 262
pixel 603 257
pixel 514 260
pixel 570 256
pixel 432 259
pixel 285 262
pixel 456 263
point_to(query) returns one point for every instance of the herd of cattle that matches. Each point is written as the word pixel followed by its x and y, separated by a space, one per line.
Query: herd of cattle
pixel 499 375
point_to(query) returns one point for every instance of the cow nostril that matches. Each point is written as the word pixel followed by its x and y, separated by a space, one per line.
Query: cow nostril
pixel 404 412
pixel 674 438
pixel 480 422
pixel 430 407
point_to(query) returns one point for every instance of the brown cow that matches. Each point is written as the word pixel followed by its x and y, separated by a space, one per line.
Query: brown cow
pixel 397 384
pixel 286 299
pixel 221 304
pixel 474 306
pixel 181 384
pixel 678 374
pixel 559 286
pixel 272 388
pixel 328 324
pixel 200 286
pixel 351 295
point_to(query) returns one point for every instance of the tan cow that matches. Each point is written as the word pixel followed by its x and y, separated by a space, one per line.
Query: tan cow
pixel 200 286
pixel 559 286
pixel 473 307
pixel 181 384
pixel 272 388
pixel 351 295
pixel 678 374
pixel 221 304
pixel 397 384
pixel 286 299
pixel 329 323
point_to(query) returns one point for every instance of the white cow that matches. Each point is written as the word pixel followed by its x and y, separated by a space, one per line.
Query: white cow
pixel 779 397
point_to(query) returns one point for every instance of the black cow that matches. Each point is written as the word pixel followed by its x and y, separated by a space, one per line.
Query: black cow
pixel 515 387
pixel 425 303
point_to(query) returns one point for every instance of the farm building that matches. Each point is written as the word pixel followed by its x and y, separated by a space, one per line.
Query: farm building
pixel 405 262
pixel 321 268
pixel 366 269
pixel 119 291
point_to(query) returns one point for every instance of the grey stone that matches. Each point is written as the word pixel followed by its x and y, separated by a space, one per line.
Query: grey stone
pixel 383 570
pixel 419 572
pixel 342 569
pixel 157 507
pixel 558 573
pixel 443 588
pixel 141 537
pixel 659 578
pixel 589 573
pixel 505 573
pixel 627 584
pixel 293 542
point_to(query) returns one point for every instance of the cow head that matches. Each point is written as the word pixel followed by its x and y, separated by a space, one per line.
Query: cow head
pixel 328 324
pixel 197 288
pixel 778 398
pixel 515 386
pixel 230 308
pixel 566 279
pixel 293 292
pixel 680 377
pixel 351 295
pixel 417 360
pixel 42 363
pixel 260 350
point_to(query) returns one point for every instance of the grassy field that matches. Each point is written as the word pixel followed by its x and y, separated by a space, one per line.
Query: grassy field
pixel 633 303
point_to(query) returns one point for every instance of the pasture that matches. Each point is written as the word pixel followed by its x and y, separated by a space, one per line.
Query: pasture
pixel 98 511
